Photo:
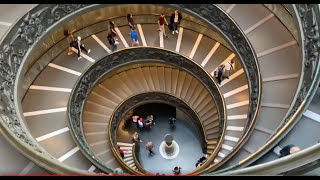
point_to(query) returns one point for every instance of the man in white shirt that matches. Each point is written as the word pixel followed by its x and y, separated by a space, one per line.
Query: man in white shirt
pixel 228 67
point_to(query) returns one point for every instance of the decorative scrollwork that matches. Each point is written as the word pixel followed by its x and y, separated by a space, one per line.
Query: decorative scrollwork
pixel 61 10
pixel 13 50
pixel 25 34
pixel 220 21
pixel 311 33
pixel 31 28
pixel 309 18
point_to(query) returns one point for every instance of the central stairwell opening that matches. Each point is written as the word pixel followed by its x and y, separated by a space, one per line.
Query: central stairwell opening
pixel 185 133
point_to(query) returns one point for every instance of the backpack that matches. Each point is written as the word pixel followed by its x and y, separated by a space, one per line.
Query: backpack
pixel 215 73
pixel 74 43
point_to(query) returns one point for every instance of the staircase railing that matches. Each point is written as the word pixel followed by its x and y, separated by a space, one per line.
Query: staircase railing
pixel 126 106
pixel 15 48
pixel 221 21
pixel 135 154
pixel 282 165
pixel 308 18
pixel 27 33
pixel 97 71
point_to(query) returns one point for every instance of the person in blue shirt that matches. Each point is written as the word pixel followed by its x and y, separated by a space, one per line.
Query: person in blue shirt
pixel 134 37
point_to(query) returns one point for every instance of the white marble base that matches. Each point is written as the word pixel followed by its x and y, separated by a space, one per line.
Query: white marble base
pixel 173 155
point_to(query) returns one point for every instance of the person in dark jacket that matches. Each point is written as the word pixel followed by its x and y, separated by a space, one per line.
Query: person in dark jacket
pixel 175 19
pixel 112 41
pixel 176 170
pixel 113 30
pixel 172 120
pixel 218 73
pixel 289 149
pixel 73 41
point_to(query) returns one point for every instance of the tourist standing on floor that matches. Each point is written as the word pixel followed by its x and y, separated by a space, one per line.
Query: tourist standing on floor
pixel 135 121
pixel 112 42
pixel 229 66
pixel 149 121
pixel 140 123
pixel 149 146
pixel 135 38
pixel 136 138
pixel 175 19
pixel 130 21
pixel 161 21
pixel 176 170
pixel 81 47
pixel 202 160
pixel 172 120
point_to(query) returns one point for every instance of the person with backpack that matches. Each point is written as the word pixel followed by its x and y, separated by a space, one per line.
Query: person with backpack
pixel 218 73
pixel 175 19
pixel 113 30
pixel 112 42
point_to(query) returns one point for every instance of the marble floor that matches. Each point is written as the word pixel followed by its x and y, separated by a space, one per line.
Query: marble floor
pixel 183 132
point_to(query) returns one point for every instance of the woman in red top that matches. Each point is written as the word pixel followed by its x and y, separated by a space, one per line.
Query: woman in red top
pixel 121 152
pixel 161 22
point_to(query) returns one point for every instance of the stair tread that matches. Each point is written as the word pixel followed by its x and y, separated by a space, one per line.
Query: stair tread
pixel 124 144
pixel 128 159
pixel 212 142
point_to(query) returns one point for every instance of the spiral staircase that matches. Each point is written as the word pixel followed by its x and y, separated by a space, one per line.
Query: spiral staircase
pixel 238 140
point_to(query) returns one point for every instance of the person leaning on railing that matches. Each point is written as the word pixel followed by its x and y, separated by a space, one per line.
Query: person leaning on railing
pixel 289 149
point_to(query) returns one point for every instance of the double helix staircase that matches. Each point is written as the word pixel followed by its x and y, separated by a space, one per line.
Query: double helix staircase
pixel 45 102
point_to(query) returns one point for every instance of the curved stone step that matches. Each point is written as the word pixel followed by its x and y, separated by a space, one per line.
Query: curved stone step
pixel 279 80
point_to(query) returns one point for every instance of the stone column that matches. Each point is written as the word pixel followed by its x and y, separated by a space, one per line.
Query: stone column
pixel 169 148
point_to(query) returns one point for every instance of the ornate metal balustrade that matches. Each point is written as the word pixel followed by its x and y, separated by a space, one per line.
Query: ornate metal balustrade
pixel 14 50
pixel 28 32
pixel 97 72
pixel 308 20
